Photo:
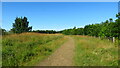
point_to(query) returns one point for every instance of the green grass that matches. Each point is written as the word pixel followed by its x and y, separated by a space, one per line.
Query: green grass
pixel 0 50
pixel 95 52
pixel 27 49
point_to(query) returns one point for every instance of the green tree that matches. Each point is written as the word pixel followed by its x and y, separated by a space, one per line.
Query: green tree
pixel 117 26
pixel 80 31
pixel 3 32
pixel 111 20
pixel 21 25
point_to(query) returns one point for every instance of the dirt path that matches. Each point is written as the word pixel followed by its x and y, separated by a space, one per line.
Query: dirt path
pixel 63 56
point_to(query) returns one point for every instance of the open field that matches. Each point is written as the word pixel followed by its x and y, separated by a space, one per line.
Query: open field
pixel 65 33
pixel 30 49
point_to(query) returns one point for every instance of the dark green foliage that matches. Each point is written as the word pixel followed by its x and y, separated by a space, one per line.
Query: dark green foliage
pixel 80 31
pixel 117 26
pixel 92 30
pixel 46 31
pixel 21 25
pixel 74 31
pixel 109 28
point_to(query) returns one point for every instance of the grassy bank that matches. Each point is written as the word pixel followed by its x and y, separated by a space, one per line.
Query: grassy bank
pixel 28 48
pixel 0 50
pixel 95 52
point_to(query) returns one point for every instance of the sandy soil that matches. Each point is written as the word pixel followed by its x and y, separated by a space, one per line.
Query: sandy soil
pixel 63 56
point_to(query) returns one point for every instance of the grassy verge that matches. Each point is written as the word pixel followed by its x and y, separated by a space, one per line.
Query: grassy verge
pixel 28 48
pixel 0 50
pixel 53 45
pixel 95 52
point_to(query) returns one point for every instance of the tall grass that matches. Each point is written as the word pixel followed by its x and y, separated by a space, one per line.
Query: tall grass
pixel 21 49
pixel 0 50
pixel 95 52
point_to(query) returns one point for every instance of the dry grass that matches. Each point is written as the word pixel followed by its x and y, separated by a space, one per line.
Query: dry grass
pixel 22 49
pixel 95 52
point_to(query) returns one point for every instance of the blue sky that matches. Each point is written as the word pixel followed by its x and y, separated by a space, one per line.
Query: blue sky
pixel 58 15
pixel 60 0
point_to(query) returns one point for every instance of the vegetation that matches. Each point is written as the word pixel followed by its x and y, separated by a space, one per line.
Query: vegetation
pixel 3 31
pixel 97 53
pixel 0 50
pixel 22 49
pixel 46 31
pixel 21 25
pixel 104 29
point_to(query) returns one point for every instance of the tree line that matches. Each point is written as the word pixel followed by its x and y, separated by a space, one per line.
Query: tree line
pixel 46 31
pixel 22 25
pixel 109 28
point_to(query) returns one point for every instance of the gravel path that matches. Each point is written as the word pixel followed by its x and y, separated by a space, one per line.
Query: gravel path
pixel 63 56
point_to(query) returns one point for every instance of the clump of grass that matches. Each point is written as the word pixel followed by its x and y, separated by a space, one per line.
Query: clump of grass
pixel 21 49
pixel 95 52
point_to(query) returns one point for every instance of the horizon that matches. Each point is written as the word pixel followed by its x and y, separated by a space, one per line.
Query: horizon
pixel 58 15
